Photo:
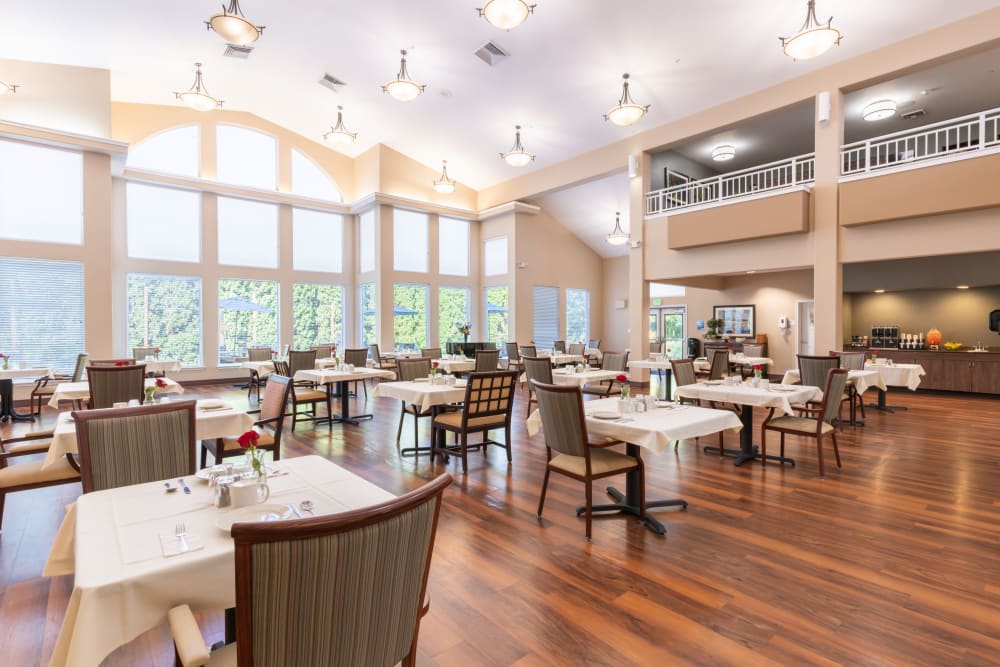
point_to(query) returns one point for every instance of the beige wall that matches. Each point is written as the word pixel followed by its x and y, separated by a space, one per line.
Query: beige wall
pixel 773 215
pixel 405 177
pixel 59 97
pixel 946 234
pixel 960 315
pixel 615 334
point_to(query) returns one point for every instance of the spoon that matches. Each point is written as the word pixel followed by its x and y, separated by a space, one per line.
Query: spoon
pixel 307 506
pixel 170 489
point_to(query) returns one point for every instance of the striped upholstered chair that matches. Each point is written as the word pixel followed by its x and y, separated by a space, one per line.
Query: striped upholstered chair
pixel 569 451
pixel 116 384
pixel 576 349
pixel 513 357
pixel 430 352
pixel 407 370
pixel 611 361
pixel 489 398
pixel 125 446
pixel 357 357
pixel 813 372
pixel 269 424
pixel 487 360
pixel 341 589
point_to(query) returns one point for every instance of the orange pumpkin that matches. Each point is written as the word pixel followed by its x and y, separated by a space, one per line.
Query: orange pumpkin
pixel 933 337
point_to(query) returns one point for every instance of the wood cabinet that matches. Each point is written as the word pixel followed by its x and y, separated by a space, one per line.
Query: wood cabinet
pixel 985 374
pixel 977 372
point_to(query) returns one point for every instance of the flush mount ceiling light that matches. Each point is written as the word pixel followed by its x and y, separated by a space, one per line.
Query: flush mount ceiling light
pixel 618 236
pixel 517 156
pixel 403 88
pixel 444 185
pixel 233 27
pixel 197 96
pixel 339 134
pixel 879 110
pixel 506 14
pixel 7 88
pixel 627 111
pixel 813 38
pixel 723 153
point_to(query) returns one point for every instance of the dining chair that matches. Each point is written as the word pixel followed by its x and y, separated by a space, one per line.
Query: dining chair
pixel 46 386
pixel 655 347
pixel 813 373
pixel 112 362
pixel 301 360
pixel 527 351
pixel 408 370
pixel 513 357
pixel 538 369
pixel 125 446
pixel 575 456
pixel 577 349
pixel 322 351
pixel 594 343
pixel 268 425
pixel 348 588
pixel 559 346
pixel 259 354
pixel 489 398
pixel 115 384
pixel 140 353
pixel 684 374
pixel 380 361
pixel 305 392
pixel 357 357
pixel 852 361
pixel 28 475
pixel 612 361
pixel 487 360
pixel 258 377
pixel 818 424
pixel 718 363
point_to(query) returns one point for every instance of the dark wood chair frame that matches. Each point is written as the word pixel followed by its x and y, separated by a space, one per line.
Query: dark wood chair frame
pixel 6 456
pixel 218 451
pixel 474 408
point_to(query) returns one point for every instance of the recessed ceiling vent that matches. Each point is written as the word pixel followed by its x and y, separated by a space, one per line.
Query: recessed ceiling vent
pixel 236 51
pixel 911 115
pixel 332 82
pixel 491 54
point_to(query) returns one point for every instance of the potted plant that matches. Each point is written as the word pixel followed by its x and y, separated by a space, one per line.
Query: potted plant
pixel 713 328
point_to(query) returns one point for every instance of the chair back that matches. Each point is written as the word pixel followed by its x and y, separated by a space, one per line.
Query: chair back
pixel 375 354
pixel 430 352
pixel 753 349
pixel 561 409
pixel 259 353
pixel 323 351
pixel 513 354
pixel 411 369
pixel 655 347
pixel 340 589
pixel 116 384
pixel 82 360
pixel 487 360
pixel 301 360
pixel 357 356
pixel 853 361
pixel 718 363
pixel 614 361
pixel 594 344
pixel 276 393
pixel 489 394
pixel 836 382
pixel 813 370
pixel 527 351
pixel 683 370
pixel 576 348
pixel 281 368
pixel 538 368
pixel 140 353
pixel 112 362
pixel 559 346
pixel 125 446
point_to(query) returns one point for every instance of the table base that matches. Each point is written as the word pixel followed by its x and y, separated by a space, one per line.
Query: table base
pixel 623 506
pixel 7 404
pixel 345 416
pixel 747 451
pixel 882 406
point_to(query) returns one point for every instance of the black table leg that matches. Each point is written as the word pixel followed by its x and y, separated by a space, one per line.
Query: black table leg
pixel 881 405
pixel 747 451
pixel 416 450
pixel 345 415
pixel 7 404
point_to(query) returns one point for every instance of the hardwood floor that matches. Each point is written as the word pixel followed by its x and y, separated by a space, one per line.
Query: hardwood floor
pixel 893 561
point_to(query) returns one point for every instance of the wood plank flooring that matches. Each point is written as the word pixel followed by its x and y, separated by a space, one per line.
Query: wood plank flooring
pixel 893 561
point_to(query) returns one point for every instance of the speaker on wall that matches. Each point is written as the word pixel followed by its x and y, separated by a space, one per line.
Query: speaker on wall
pixel 823 107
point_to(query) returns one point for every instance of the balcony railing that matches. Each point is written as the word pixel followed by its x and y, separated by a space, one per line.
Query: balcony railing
pixel 763 178
pixel 965 134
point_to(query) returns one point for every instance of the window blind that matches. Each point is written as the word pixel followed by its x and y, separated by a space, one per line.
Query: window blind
pixel 546 307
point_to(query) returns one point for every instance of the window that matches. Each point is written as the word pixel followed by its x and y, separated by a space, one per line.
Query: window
pixel 41 324
pixel 366 242
pixel 165 312
pixel 246 157
pixel 495 256
pixel 175 151
pixel 577 315
pixel 453 247
pixel 319 314
pixel 308 180
pixel 248 233
pixel 248 317
pixel 409 241
pixel 409 316
pixel 41 194
pixel 453 311
pixel 162 223
pixel 317 241
pixel 496 314
pixel 369 303
pixel 546 309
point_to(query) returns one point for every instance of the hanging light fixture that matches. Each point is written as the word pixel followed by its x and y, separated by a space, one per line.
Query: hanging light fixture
pixel 723 153
pixel 197 96
pixel 627 112
pixel 7 88
pixel 506 14
pixel 403 88
pixel 444 185
pixel 618 236
pixel 879 110
pixel 233 27
pixel 813 38
pixel 339 134
pixel 517 156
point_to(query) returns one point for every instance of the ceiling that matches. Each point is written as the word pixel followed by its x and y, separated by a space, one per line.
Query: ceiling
pixel 564 71
pixel 588 210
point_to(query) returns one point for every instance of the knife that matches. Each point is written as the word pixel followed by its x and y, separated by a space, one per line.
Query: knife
pixel 184 486
pixel 295 510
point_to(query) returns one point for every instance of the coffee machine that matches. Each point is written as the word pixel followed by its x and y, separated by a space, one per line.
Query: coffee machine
pixel 885 337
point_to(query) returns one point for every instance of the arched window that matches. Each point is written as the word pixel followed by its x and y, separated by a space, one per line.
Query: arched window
pixel 174 151
pixel 308 180
pixel 246 157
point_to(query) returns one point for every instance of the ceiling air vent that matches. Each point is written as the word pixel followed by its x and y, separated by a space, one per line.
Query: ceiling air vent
pixel 332 82
pixel 491 54
pixel 236 51
pixel 910 115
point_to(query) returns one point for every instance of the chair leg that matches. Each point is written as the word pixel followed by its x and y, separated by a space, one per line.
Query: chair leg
pixel 782 444
pixel 763 446
pixel 836 450
pixel 861 403
pixel 819 455
pixel 204 455
pixel 399 429
pixel 506 442
pixel 722 448
pixel 416 446
pixel 465 452
pixel 541 499
pixel 3 497
pixel 590 506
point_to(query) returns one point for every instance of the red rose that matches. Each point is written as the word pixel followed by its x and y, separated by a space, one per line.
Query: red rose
pixel 434 364
pixel 586 356
pixel 756 367
pixel 249 439
pixel 161 383
pixel 729 347
pixel 621 378
pixel 121 363
pixel 156 351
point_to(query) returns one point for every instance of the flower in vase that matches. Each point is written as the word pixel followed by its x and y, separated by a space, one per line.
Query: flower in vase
pixel 248 441
pixel 161 383
pixel 121 363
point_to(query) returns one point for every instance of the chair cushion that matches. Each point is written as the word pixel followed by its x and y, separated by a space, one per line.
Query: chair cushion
pixel 454 420
pixel 46 390
pixel 308 395
pixel 601 461
pixel 229 444
pixel 802 425
pixel 25 474
pixel 29 447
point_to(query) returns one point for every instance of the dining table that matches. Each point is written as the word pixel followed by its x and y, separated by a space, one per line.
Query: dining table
pixel 861 380
pixel 115 543
pixel 702 365
pixel 80 391
pixel 652 430
pixel 158 366
pixel 748 396
pixel 895 375
pixel 663 369
pixel 561 358
pixel 569 376
pixel 425 395
pixel 332 376
pixel 455 364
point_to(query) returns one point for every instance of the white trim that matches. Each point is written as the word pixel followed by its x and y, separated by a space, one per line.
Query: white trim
pixel 734 200
pixel 920 164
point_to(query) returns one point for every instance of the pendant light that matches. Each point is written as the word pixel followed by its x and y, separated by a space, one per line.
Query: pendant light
pixel 627 112
pixel 444 185
pixel 339 134
pixel 197 96
pixel 618 236
pixel 7 88
pixel 403 88
pixel 517 156
pixel 233 27
pixel 506 14
pixel 813 38
pixel 879 110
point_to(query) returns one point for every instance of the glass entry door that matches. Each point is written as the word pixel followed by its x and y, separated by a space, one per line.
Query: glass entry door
pixel 666 330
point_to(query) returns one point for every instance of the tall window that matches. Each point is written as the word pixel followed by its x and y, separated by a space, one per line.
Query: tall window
pixel 409 320
pixel 246 157
pixel 366 242
pixel 319 314
pixel 409 241
pixel 453 311
pixel 308 180
pixel 546 310
pixel 41 323
pixel 577 315
pixel 369 303
pixel 165 312
pixel 42 194
pixel 497 321
pixel 495 256
pixel 162 223
pixel 317 241
pixel 248 233
pixel 248 316
pixel 175 151
pixel 453 247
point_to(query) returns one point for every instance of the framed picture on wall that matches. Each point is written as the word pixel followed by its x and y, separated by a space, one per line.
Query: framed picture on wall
pixel 737 320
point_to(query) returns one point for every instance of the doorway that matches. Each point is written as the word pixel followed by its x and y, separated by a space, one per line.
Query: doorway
pixel 667 325
pixel 805 327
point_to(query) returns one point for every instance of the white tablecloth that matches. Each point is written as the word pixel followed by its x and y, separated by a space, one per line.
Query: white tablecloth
pixel 652 364
pixel 570 377
pixel 899 375
pixel 652 430
pixel 124 585
pixel 702 363
pixel 560 358
pixel 16 373
pixel 456 365
pixel 161 365
pixel 208 424
pixel 424 395
pixel 80 391
pixel 862 380
pixel 330 376
pixel 745 394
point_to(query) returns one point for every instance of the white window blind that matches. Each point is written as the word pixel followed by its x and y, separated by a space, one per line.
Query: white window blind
pixel 308 180
pixel 41 194
pixel 453 247
pixel 162 223
pixel 165 312
pixel 495 256
pixel 246 157
pixel 577 315
pixel 366 242
pixel 546 308
pixel 175 151
pixel 41 324
pixel 248 233
pixel 317 241
pixel 409 241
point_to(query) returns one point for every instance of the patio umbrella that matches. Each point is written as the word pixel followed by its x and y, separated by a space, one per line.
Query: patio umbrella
pixel 243 304
pixel 493 308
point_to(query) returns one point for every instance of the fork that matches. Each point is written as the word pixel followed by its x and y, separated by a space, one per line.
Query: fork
pixel 180 530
